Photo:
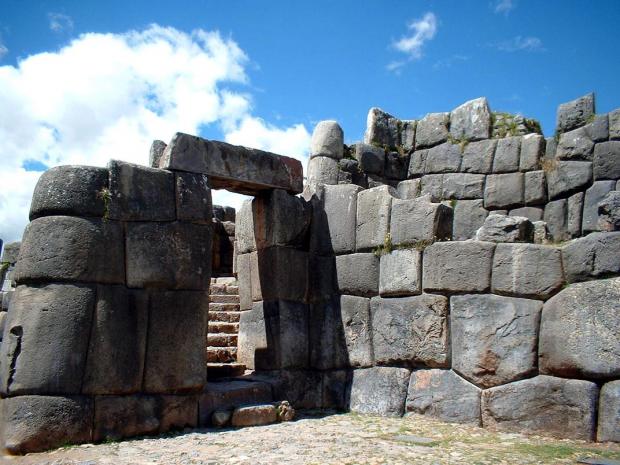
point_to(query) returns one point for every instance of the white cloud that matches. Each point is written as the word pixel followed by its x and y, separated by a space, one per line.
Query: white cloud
pixel 519 43
pixel 108 96
pixel 422 30
pixel 60 22
pixel 504 6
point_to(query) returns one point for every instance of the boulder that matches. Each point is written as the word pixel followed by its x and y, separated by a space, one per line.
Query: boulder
pixel 609 212
pixel 221 418
pixel 327 140
pixel 358 274
pixel 502 228
pixel 593 197
pixel 609 413
pixel 504 190
pixel 469 216
pixel 379 391
pixel 418 220
pixel 478 156
pixel 579 331
pixel 566 177
pixel 494 338
pixel 444 158
pixel 444 395
pixel 400 273
pixel 471 120
pixel 575 113
pixel 532 149
pixel 592 256
pixel 373 217
pixel 564 408
pixel 432 130
pixel 556 217
pixel 458 266
pixel 322 170
pixel 575 145
pixel 254 415
pixel 535 189
pixel 607 160
pixel 507 155
pixel 410 330
pixel 72 191
pixel 223 396
pixel 156 152
pixel 193 198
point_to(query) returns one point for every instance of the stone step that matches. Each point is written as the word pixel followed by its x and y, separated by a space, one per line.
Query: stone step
pixel 230 317
pixel 217 307
pixel 221 340
pixel 233 290
pixel 221 354
pixel 224 299
pixel 224 370
pixel 223 327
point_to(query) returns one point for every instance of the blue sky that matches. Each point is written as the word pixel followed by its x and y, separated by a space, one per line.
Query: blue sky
pixel 84 77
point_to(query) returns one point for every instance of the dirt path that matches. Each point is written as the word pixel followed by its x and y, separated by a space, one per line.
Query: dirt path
pixel 334 439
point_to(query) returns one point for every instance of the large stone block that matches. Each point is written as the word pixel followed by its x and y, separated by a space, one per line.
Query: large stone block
pixel 279 273
pixel 462 186
pixel 70 190
pixel 10 252
pixel 358 274
pixel 226 395
pixel 139 193
pixel 117 342
pixel 609 211
pixel 274 335
pixel 444 158
pixel 535 190
pixel 471 120
pixel 417 163
pixel 168 255
pixel 118 417
pixel 469 216
pixel 445 395
pixel 531 213
pixel 239 169
pixel 408 189
pixel 244 228
pixel 417 220
pixel 46 340
pixel 411 330
pixel 379 391
pixel 302 388
pixel 614 124
pixel 504 190
pixel 400 273
pixel 607 160
pixel 382 129
pixel 322 170
pixel 175 356
pixel 575 145
pixel 336 389
pixel 193 198
pixel 40 423
pixel 373 217
pixel 502 228
pixel 478 156
pixel 565 177
pixel 527 270
pixel 575 113
pixel 432 130
pixel 322 284
pixel 593 196
pixel 396 165
pixel 371 158
pixel 507 155
pixel 432 187
pixel 494 339
pixel 593 256
pixel 281 219
pixel 609 413
pixel 579 335
pixel 574 214
pixel 556 217
pixel 598 129
pixel 565 408
pixel 327 140
pixel 65 248
pixel 532 149
pixel 177 412
pixel 458 266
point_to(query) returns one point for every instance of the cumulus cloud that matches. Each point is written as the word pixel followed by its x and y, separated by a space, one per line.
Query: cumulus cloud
pixel 519 43
pixel 108 96
pixel 504 6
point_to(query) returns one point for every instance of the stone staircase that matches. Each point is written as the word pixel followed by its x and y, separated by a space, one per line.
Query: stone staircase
pixel 223 330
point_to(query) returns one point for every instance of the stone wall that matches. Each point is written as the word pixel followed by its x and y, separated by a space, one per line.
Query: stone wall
pixel 7 270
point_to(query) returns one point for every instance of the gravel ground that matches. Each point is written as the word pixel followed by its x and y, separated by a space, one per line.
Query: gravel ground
pixel 332 439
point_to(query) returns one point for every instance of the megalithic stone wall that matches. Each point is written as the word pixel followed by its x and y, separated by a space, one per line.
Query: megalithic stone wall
pixel 106 331
pixel 441 275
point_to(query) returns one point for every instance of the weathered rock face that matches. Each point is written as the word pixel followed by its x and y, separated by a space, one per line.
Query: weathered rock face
pixel 358 274
pixel 242 170
pixel 502 228
pixel 327 140
pixel 592 256
pixel 432 130
pixel 568 176
pixel 579 331
pixel 609 212
pixel 575 113
pixel 494 339
pixel 434 221
pixel 371 159
pixel 156 152
pixel 383 129
pixel 561 407
pixel 471 121
pixel 609 413
pixel 400 273
pixel 532 149
pixel 504 190
pixel 322 170
pixel 373 216
pixel 469 216
pixel 193 198
pixel 280 219
pixel 507 155
pixel 225 395
pixel 478 156
pixel 411 330
pixel 379 391
pixel 575 145
pixel 607 160
pixel 445 395
pixel 594 195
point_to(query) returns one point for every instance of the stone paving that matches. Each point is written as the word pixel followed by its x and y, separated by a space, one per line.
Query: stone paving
pixel 332 439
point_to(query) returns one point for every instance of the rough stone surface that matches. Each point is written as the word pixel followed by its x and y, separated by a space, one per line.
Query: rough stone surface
pixel 535 188
pixel 574 216
pixel 609 212
pixel 244 228
pixel 609 413
pixel 478 157
pixel 504 190
pixel 225 395
pixel 327 140
pixel 502 228
pixel 575 113
pixel 494 338
pixel 445 395
pixel 254 415
pixel 46 339
pixel 430 221
pixel 240 169
pixel 49 253
pixel 382 129
pixel 444 158
pixel 408 189
pixel 400 273
pixel 358 274
pixel 371 158
pixel 10 252
pixel 564 408
pixel 70 190
pixel 469 216
pixel 221 418
pixel 411 330
pixel 607 160
pixel 527 270
pixel 407 136
pixel 575 145
pixel 432 130
pixel 532 148
pixel 156 152
pixel 598 129
pixel 139 193
pixel 322 170
pixel 432 187
pixel 471 120
pixel 396 165
pixel 373 216
pixel 568 176
pixel 417 163
pixel 193 198
pixel 507 155
pixel 579 331
pixel 281 219
pixel 175 356
pixel 117 417
pixel 279 273
pixel 379 391
pixel 38 423
pixel 531 213
pixel 462 186
pixel 592 256
pixel 593 196
pixel 556 217
pixel 614 124
pixel 541 234
pixel 458 266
